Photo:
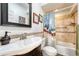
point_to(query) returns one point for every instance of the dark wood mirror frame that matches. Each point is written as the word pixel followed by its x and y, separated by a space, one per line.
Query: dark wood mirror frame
pixel 4 16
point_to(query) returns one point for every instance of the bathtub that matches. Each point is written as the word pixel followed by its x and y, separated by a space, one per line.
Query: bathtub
pixel 66 49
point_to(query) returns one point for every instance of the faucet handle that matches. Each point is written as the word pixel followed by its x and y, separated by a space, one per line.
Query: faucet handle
pixel 23 36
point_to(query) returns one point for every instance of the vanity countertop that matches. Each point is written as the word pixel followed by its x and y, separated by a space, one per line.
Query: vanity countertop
pixel 21 46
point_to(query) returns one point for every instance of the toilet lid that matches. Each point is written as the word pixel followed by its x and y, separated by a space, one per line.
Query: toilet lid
pixel 49 50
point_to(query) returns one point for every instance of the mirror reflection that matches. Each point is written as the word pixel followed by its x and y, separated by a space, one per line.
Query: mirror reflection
pixel 18 13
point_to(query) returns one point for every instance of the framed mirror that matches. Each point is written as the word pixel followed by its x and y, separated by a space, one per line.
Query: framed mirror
pixel 16 14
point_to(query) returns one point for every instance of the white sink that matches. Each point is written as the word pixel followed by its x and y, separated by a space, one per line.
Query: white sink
pixel 21 46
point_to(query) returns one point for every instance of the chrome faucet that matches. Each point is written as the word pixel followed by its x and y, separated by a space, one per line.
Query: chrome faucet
pixel 23 36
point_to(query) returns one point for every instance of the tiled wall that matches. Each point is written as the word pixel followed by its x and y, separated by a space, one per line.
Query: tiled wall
pixel 66 29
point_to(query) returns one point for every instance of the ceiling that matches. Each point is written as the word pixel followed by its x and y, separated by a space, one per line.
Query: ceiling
pixel 66 12
pixel 55 6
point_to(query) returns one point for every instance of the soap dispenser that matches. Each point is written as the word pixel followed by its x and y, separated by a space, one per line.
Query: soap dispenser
pixel 6 39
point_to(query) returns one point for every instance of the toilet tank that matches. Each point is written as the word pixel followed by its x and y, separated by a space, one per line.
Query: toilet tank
pixel 43 44
pixel 51 41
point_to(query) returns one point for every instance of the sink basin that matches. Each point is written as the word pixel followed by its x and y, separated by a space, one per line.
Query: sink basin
pixel 21 46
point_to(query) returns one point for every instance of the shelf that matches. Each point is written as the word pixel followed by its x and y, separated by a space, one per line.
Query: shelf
pixel 61 27
pixel 72 24
pixel 65 32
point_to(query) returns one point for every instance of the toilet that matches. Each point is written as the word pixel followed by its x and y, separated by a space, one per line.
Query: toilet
pixel 48 47
pixel 49 51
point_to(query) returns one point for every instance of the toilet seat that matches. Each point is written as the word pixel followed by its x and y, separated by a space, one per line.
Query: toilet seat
pixel 50 51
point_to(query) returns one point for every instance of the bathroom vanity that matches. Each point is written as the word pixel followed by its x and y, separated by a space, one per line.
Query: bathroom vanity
pixel 26 47
pixel 16 14
pixel 35 52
